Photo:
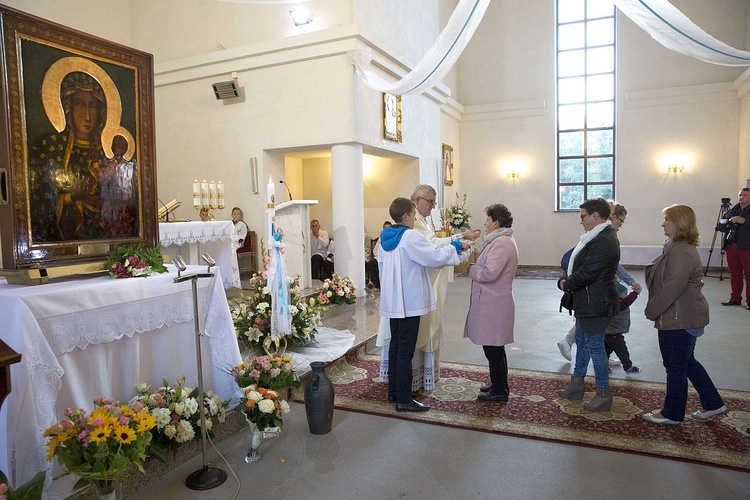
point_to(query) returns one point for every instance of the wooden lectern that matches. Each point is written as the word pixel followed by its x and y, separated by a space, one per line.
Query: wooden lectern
pixel 293 218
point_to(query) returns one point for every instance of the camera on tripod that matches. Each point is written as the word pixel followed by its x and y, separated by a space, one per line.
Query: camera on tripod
pixel 723 225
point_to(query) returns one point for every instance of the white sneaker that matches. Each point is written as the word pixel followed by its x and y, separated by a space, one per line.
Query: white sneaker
pixel 705 415
pixel 613 362
pixel 565 349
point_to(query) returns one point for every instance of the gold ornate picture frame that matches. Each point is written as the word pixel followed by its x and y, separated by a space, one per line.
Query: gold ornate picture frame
pixel 448 164
pixel 77 140
pixel 392 117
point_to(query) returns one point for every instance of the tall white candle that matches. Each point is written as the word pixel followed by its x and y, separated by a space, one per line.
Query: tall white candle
pixel 204 194
pixel 220 195
pixel 212 194
pixel 270 189
pixel 196 194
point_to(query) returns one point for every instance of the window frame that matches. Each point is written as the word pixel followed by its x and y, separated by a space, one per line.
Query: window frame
pixel 584 182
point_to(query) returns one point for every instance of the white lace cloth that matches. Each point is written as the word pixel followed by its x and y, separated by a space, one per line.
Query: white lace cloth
pixel 99 337
pixel 192 239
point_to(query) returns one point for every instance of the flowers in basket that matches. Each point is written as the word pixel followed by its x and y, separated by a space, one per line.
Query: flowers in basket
pixel 176 414
pixel 99 447
pixel 271 372
pixel 338 290
pixel 457 215
pixel 126 262
pixel 251 314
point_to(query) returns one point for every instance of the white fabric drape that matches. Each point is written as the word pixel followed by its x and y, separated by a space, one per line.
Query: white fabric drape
pixel 437 61
pixel 674 30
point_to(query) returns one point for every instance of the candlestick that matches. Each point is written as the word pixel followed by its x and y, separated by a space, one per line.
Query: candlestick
pixel 220 195
pixel 196 195
pixel 212 194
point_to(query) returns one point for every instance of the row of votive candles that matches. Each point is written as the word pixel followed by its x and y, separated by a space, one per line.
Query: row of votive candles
pixel 208 194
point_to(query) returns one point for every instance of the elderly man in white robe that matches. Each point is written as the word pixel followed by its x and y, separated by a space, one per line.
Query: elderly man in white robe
pixel 426 361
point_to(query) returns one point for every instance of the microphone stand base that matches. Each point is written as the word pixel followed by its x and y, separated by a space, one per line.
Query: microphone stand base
pixel 206 478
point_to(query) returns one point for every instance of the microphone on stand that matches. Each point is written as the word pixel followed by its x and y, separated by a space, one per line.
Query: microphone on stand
pixel 166 214
pixel 289 192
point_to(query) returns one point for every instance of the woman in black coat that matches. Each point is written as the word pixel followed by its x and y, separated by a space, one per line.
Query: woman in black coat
pixel 590 277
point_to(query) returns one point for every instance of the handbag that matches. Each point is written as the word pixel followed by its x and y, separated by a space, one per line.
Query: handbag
pixel 566 302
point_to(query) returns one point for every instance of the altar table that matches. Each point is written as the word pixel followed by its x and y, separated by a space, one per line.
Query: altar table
pixel 95 337
pixel 192 239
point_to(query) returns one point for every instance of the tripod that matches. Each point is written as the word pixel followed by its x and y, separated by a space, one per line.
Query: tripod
pixel 719 228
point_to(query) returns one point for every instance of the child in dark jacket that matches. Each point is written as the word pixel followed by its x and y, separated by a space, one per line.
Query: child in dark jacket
pixel 614 340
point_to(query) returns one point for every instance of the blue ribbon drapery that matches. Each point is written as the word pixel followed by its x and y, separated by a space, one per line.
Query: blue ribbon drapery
pixel 278 287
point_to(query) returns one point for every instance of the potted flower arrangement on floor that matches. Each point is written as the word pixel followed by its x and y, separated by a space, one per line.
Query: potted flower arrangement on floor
pixel 264 380
pixel 100 446
pixel 176 413
pixel 338 290
pixel 251 313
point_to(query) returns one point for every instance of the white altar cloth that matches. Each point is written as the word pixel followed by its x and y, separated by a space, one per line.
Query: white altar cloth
pixel 329 346
pixel 96 337
pixel 192 239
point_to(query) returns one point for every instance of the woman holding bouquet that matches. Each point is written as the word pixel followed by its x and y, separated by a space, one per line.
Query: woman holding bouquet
pixel 491 315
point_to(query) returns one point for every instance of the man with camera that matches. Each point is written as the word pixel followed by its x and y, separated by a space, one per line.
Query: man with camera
pixel 736 224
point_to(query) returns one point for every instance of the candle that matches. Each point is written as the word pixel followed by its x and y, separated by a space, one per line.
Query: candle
pixel 204 194
pixel 220 195
pixel 212 194
pixel 270 192
pixel 196 195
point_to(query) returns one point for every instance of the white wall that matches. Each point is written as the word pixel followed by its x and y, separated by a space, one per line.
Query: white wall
pixel 300 93
pixel 666 103
pixel 108 19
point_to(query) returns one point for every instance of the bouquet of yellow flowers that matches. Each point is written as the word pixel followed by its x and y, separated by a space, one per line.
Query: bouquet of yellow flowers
pixel 177 415
pixel 99 447
pixel 338 290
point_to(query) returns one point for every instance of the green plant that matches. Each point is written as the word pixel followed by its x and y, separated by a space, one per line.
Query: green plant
pixel 30 491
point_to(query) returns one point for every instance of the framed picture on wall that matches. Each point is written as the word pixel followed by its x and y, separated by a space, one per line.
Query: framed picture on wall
pixel 448 164
pixel 392 117
pixel 77 137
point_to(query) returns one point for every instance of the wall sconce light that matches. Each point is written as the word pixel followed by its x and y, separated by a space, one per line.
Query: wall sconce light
pixel 301 17
pixel 513 169
pixel 674 168
pixel 676 162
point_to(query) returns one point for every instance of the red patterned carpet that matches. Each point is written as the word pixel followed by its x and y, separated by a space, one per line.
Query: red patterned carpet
pixel 535 411
pixel 538 273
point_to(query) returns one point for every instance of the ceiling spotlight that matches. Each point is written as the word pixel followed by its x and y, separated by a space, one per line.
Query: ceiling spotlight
pixel 301 17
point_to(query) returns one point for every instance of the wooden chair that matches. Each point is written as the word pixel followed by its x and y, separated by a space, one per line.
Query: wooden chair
pixel 247 256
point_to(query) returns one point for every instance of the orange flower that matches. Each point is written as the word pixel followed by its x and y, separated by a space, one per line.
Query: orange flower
pixel 250 404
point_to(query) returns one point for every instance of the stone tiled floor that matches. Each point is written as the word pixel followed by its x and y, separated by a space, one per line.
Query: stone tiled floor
pixel 370 457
